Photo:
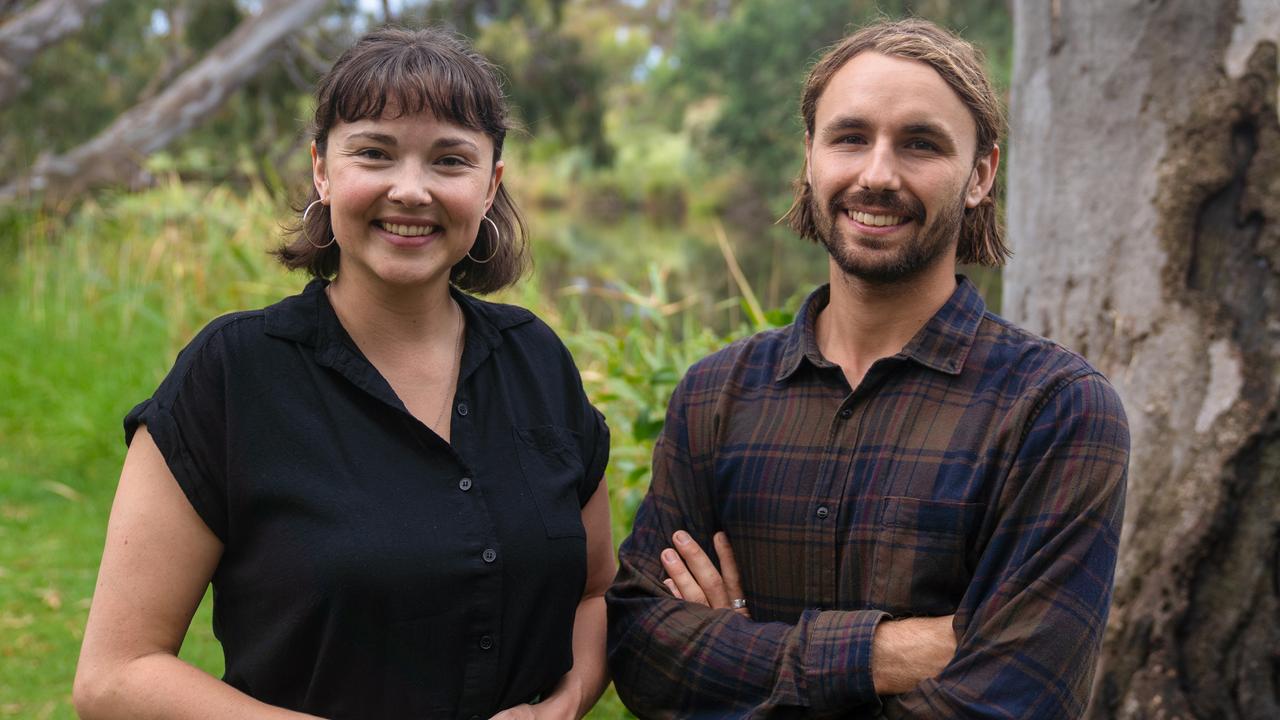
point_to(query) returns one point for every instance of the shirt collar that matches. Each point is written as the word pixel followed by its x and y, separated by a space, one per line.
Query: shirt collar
pixel 942 344
pixel 309 319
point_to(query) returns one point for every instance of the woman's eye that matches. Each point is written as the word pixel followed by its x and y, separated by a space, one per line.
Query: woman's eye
pixel 454 161
pixel 371 154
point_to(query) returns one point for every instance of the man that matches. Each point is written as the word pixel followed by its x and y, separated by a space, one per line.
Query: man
pixel 924 501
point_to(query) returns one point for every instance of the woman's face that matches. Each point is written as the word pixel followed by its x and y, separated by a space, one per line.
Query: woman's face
pixel 406 196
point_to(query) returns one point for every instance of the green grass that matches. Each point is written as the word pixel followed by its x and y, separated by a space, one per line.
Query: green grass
pixel 96 306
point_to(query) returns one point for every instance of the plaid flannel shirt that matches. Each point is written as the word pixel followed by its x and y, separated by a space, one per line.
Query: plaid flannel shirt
pixel 980 471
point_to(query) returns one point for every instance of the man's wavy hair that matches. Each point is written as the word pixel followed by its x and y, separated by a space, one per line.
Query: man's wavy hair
pixel 428 70
pixel 959 63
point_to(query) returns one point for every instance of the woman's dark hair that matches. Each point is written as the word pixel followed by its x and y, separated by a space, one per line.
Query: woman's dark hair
pixel 428 70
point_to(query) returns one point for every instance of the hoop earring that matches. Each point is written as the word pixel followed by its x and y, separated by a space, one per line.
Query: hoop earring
pixel 496 237
pixel 332 239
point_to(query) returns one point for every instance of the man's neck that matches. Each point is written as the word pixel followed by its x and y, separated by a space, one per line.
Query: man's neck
pixel 866 321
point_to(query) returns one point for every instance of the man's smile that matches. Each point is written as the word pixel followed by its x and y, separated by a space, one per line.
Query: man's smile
pixel 876 220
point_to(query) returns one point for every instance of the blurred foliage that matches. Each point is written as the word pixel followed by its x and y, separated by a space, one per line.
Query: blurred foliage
pixel 613 84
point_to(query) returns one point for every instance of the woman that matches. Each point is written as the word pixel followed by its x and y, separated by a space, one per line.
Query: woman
pixel 394 488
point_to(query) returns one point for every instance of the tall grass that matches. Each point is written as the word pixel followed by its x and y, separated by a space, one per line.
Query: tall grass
pixel 96 306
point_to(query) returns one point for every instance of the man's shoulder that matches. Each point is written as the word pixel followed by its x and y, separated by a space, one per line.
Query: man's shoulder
pixel 752 360
pixel 1028 363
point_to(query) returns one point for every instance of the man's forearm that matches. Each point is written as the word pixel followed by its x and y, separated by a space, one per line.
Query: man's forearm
pixel 670 657
pixel 905 652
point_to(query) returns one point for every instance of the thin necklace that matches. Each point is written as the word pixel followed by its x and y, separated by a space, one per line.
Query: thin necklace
pixel 453 377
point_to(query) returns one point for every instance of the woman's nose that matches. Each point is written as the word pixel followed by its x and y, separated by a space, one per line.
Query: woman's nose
pixel 410 187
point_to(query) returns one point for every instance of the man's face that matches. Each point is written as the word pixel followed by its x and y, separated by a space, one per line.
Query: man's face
pixel 891 166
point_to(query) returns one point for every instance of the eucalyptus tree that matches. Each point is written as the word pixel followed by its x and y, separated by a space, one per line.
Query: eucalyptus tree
pixel 1144 213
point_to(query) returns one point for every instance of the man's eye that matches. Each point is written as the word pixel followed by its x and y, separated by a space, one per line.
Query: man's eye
pixel 851 140
pixel 924 145
pixel 371 154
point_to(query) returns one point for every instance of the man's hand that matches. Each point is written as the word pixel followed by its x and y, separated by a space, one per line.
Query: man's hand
pixel 693 577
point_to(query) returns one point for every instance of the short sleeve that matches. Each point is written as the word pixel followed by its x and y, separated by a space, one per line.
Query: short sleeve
pixel 186 418
pixel 590 429
pixel 595 452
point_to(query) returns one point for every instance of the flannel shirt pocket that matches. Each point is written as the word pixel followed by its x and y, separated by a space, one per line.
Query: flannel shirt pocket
pixel 919 562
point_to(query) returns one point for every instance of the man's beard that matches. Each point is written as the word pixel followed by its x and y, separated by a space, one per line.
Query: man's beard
pixel 883 264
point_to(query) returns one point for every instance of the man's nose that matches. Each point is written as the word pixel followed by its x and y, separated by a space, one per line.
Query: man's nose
pixel 881 171
pixel 411 186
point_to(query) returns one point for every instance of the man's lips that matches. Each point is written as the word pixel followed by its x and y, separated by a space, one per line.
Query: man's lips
pixel 876 219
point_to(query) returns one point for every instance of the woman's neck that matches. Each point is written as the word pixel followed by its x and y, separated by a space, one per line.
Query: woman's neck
pixel 393 320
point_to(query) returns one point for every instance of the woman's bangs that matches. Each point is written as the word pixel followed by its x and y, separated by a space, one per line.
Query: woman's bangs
pixel 409 85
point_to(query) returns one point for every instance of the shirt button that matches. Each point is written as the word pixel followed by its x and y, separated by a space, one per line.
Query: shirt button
pixel 464 484
pixel 462 409
pixel 489 555
pixel 823 512
pixel 486 642
pixel 845 413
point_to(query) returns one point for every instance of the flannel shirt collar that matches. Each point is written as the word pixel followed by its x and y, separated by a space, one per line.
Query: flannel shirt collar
pixel 942 344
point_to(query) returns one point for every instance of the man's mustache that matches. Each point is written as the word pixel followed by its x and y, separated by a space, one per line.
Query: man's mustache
pixel 894 202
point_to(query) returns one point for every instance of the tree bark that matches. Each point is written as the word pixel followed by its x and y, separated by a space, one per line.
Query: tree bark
pixel 116 154
pixel 31 31
pixel 1144 214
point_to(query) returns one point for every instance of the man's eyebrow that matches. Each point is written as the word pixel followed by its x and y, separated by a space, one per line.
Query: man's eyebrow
pixel 924 128
pixel 928 129
pixel 845 122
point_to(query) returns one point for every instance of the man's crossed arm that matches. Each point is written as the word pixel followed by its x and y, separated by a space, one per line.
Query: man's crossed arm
pixel 903 652
pixel 1029 624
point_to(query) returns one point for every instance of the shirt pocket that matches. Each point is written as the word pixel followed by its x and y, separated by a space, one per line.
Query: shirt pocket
pixel 920 562
pixel 553 472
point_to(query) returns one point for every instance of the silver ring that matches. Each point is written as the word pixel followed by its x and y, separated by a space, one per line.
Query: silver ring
pixel 738 603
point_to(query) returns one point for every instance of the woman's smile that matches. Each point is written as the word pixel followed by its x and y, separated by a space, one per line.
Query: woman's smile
pixel 407 194
pixel 408 233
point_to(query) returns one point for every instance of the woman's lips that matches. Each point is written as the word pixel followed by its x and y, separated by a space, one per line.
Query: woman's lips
pixel 408 234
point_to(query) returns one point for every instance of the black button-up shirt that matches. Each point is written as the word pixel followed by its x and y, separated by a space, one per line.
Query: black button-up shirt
pixel 371 569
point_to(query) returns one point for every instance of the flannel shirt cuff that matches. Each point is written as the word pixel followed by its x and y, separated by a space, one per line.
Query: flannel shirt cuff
pixel 837 659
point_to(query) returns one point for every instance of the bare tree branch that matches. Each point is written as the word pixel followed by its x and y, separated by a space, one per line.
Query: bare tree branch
pixel 33 30
pixel 8 7
pixel 116 154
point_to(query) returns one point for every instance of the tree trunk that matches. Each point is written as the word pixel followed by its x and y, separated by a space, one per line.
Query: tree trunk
pixel 116 154
pixel 1144 214
pixel 36 28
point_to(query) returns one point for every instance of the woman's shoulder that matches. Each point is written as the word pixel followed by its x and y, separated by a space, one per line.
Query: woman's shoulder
pixel 512 323
pixel 244 335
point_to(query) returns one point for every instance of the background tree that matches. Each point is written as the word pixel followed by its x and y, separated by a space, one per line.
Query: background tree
pixel 117 152
pixel 1144 210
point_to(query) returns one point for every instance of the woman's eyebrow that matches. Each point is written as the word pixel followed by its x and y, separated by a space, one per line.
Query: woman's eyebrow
pixel 381 138
pixel 455 141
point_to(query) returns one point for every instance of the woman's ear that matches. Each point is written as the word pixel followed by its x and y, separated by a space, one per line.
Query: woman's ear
pixel 319 174
pixel 494 182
